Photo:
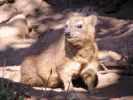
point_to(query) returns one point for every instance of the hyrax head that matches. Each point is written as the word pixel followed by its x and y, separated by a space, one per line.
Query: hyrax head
pixel 80 28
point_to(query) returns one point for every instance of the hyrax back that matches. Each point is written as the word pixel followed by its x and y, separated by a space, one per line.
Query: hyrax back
pixel 39 69
pixel 81 51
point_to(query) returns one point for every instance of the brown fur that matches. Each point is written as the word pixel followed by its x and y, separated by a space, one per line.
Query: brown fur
pixel 62 59
pixel 81 52
pixel 39 69
pixel 78 57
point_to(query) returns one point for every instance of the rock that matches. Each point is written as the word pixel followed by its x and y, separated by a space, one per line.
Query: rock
pixel 6 12
pixel 29 7
pixel 16 28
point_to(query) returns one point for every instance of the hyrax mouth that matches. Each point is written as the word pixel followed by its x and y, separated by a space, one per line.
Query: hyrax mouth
pixel 72 39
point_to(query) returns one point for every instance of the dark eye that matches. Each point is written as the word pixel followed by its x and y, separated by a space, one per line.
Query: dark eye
pixel 79 26
pixel 66 26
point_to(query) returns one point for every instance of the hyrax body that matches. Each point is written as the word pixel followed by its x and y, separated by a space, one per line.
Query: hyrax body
pixel 39 69
pixel 81 52
pixel 68 57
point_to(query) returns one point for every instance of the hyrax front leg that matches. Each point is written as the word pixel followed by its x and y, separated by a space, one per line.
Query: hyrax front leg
pixel 89 75
pixel 66 73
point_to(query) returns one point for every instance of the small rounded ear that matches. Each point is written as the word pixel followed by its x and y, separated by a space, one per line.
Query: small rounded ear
pixel 92 19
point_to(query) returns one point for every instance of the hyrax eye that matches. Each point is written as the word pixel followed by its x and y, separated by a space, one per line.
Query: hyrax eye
pixel 66 26
pixel 79 26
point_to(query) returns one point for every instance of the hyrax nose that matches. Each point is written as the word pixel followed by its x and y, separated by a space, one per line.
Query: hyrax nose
pixel 67 33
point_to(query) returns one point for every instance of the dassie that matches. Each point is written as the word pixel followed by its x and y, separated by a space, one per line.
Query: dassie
pixel 81 52
pixel 76 55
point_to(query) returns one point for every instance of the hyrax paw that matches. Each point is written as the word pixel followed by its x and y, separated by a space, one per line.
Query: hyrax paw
pixel 69 88
pixel 75 89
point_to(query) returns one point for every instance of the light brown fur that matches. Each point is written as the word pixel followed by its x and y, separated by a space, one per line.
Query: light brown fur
pixel 40 69
pixel 63 59
pixel 81 52
pixel 74 57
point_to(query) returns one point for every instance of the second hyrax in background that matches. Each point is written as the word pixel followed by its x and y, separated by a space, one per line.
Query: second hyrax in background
pixel 81 52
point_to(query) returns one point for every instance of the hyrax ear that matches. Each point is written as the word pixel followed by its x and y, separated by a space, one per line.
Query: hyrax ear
pixel 92 19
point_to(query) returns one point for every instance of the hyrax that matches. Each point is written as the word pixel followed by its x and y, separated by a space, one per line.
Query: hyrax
pixel 68 57
pixel 81 52
pixel 39 69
